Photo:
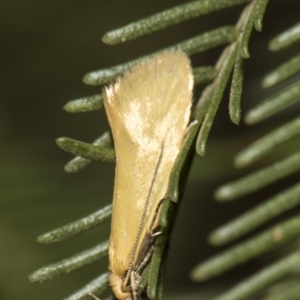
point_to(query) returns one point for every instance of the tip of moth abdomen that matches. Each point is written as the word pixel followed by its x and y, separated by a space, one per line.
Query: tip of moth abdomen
pixel 116 285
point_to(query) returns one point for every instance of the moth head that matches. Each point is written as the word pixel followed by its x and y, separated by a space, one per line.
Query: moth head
pixel 116 283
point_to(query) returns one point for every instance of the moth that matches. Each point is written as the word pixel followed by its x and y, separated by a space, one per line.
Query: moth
pixel 148 109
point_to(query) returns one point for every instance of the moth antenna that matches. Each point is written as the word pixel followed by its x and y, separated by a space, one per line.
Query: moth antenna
pixel 144 213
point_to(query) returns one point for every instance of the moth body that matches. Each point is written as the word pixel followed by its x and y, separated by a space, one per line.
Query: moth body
pixel 148 109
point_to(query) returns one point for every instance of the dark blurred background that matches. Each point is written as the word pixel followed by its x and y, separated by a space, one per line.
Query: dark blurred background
pixel 46 48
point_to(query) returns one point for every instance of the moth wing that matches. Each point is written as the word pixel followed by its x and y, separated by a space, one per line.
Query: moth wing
pixel 148 110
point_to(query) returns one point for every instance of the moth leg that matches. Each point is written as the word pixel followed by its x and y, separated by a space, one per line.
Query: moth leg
pixel 125 281
pixel 145 260
pixel 93 296
pixel 155 221
pixel 190 126
pixel 133 286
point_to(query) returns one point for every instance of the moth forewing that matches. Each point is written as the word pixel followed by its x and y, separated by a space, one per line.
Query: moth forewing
pixel 148 109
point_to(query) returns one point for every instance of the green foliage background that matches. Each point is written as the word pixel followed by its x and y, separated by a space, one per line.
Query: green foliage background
pixel 46 48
